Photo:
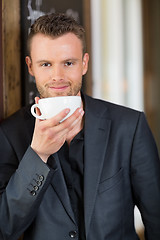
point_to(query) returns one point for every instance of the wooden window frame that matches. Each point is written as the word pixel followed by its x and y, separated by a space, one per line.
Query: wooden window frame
pixel 10 74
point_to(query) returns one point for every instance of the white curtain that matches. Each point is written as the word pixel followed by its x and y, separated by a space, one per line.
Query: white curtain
pixel 117 60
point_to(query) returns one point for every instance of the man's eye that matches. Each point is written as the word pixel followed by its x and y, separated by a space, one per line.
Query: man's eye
pixel 46 65
pixel 68 63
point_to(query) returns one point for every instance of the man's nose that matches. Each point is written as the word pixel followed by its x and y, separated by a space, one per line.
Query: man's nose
pixel 57 73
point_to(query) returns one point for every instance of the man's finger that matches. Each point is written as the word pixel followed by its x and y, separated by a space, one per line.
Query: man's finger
pixel 70 120
pixel 38 112
pixel 57 118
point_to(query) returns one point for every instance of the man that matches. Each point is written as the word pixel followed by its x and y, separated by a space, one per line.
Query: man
pixel 83 177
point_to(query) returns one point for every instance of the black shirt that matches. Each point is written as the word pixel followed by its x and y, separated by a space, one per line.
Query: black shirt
pixel 72 162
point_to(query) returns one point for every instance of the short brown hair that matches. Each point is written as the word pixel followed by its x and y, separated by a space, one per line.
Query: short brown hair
pixel 55 25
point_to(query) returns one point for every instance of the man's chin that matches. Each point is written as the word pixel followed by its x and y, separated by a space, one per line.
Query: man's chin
pixel 60 94
pixel 56 95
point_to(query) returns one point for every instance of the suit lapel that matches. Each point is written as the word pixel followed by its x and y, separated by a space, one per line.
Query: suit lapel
pixel 59 185
pixel 97 128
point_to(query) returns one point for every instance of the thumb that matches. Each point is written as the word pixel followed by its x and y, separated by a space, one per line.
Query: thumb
pixel 37 109
pixel 36 99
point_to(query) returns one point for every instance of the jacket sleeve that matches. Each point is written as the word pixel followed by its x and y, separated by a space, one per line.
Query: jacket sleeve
pixel 145 174
pixel 22 186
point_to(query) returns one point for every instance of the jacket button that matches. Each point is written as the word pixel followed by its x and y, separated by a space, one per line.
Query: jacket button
pixel 36 188
pixel 41 178
pixel 33 193
pixel 39 183
pixel 72 234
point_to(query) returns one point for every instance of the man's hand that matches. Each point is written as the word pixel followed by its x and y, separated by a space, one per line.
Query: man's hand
pixel 49 135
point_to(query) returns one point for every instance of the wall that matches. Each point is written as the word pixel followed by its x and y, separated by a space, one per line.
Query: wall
pixel 1 67
pixel 10 100
pixel 151 32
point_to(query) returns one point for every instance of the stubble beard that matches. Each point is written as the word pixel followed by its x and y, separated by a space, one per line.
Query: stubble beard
pixel 73 91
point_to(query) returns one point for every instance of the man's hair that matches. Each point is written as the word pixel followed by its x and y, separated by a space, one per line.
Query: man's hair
pixel 55 25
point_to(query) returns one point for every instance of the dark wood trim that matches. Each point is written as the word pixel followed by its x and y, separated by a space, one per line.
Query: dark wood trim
pixel 151 40
pixel 11 56
pixel 87 26
pixel 1 65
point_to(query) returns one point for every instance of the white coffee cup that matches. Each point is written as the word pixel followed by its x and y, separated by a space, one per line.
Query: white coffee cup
pixel 50 107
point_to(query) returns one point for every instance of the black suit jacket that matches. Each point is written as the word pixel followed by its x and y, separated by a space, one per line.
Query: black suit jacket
pixel 121 170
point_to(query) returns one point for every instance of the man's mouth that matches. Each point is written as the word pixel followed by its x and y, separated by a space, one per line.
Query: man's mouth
pixel 58 88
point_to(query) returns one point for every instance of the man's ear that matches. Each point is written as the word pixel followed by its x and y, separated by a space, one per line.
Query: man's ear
pixel 85 63
pixel 29 64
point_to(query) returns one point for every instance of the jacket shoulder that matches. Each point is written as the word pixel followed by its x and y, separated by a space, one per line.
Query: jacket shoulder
pixel 19 116
pixel 113 110
pixel 19 126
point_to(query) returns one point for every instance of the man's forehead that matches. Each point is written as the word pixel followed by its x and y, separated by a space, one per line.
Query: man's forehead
pixel 65 43
pixel 68 35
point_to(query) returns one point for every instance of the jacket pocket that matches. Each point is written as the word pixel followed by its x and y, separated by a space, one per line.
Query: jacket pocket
pixel 111 182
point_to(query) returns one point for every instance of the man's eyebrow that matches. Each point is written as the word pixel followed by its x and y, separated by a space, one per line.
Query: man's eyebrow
pixel 64 60
pixel 70 59
pixel 43 60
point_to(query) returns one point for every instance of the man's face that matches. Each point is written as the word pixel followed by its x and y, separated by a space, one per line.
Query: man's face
pixel 57 64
